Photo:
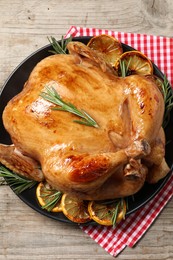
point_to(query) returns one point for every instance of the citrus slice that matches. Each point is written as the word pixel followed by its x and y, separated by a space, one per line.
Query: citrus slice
pixel 133 62
pixel 48 198
pixel 75 209
pixel 109 47
pixel 107 214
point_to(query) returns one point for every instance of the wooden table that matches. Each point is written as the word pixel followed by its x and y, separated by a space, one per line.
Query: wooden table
pixel 24 27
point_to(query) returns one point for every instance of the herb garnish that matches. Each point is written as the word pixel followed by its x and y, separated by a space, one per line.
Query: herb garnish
pixel 51 198
pixel 59 48
pixel 52 96
pixel 117 206
pixel 168 100
pixel 18 183
pixel 124 68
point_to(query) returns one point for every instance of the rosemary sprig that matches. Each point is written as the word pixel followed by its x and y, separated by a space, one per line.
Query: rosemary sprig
pixel 115 214
pixel 124 68
pixel 168 100
pixel 59 48
pixel 51 199
pixel 118 207
pixel 18 183
pixel 52 96
pixel 113 208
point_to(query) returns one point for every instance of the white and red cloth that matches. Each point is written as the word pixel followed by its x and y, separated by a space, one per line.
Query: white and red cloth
pixel 129 231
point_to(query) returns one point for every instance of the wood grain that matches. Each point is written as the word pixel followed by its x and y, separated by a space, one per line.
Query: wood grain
pixel 24 27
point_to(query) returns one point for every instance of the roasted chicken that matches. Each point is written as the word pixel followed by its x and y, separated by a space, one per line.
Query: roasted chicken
pixel 110 161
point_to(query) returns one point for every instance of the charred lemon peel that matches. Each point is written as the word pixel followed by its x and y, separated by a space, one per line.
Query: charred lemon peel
pixel 75 209
pixel 133 62
pixel 107 46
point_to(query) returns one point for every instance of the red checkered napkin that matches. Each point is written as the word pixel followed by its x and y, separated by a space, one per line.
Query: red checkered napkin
pixel 129 231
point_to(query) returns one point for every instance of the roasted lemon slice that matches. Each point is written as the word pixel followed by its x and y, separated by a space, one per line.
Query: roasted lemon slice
pixel 107 214
pixel 133 62
pixel 109 47
pixel 75 209
pixel 48 198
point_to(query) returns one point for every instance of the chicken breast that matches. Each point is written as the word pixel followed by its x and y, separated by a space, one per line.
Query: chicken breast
pixel 110 161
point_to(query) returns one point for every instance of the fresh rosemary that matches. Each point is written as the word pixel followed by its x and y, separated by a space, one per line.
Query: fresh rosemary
pixel 118 207
pixel 52 96
pixel 59 48
pixel 51 198
pixel 168 100
pixel 18 183
pixel 124 68
pixel 115 214
pixel 113 209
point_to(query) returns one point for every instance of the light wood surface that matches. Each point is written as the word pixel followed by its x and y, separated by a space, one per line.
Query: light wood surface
pixel 24 27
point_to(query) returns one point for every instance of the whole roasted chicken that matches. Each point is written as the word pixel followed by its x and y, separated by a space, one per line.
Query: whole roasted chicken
pixel 111 160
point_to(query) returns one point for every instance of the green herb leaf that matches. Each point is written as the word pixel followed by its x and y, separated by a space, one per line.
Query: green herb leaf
pixel 115 214
pixel 59 48
pixel 52 96
pixel 116 206
pixel 51 200
pixel 18 183
pixel 124 68
pixel 119 206
pixel 168 100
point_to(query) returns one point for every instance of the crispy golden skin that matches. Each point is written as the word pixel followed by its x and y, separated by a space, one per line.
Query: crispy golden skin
pixel 94 163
